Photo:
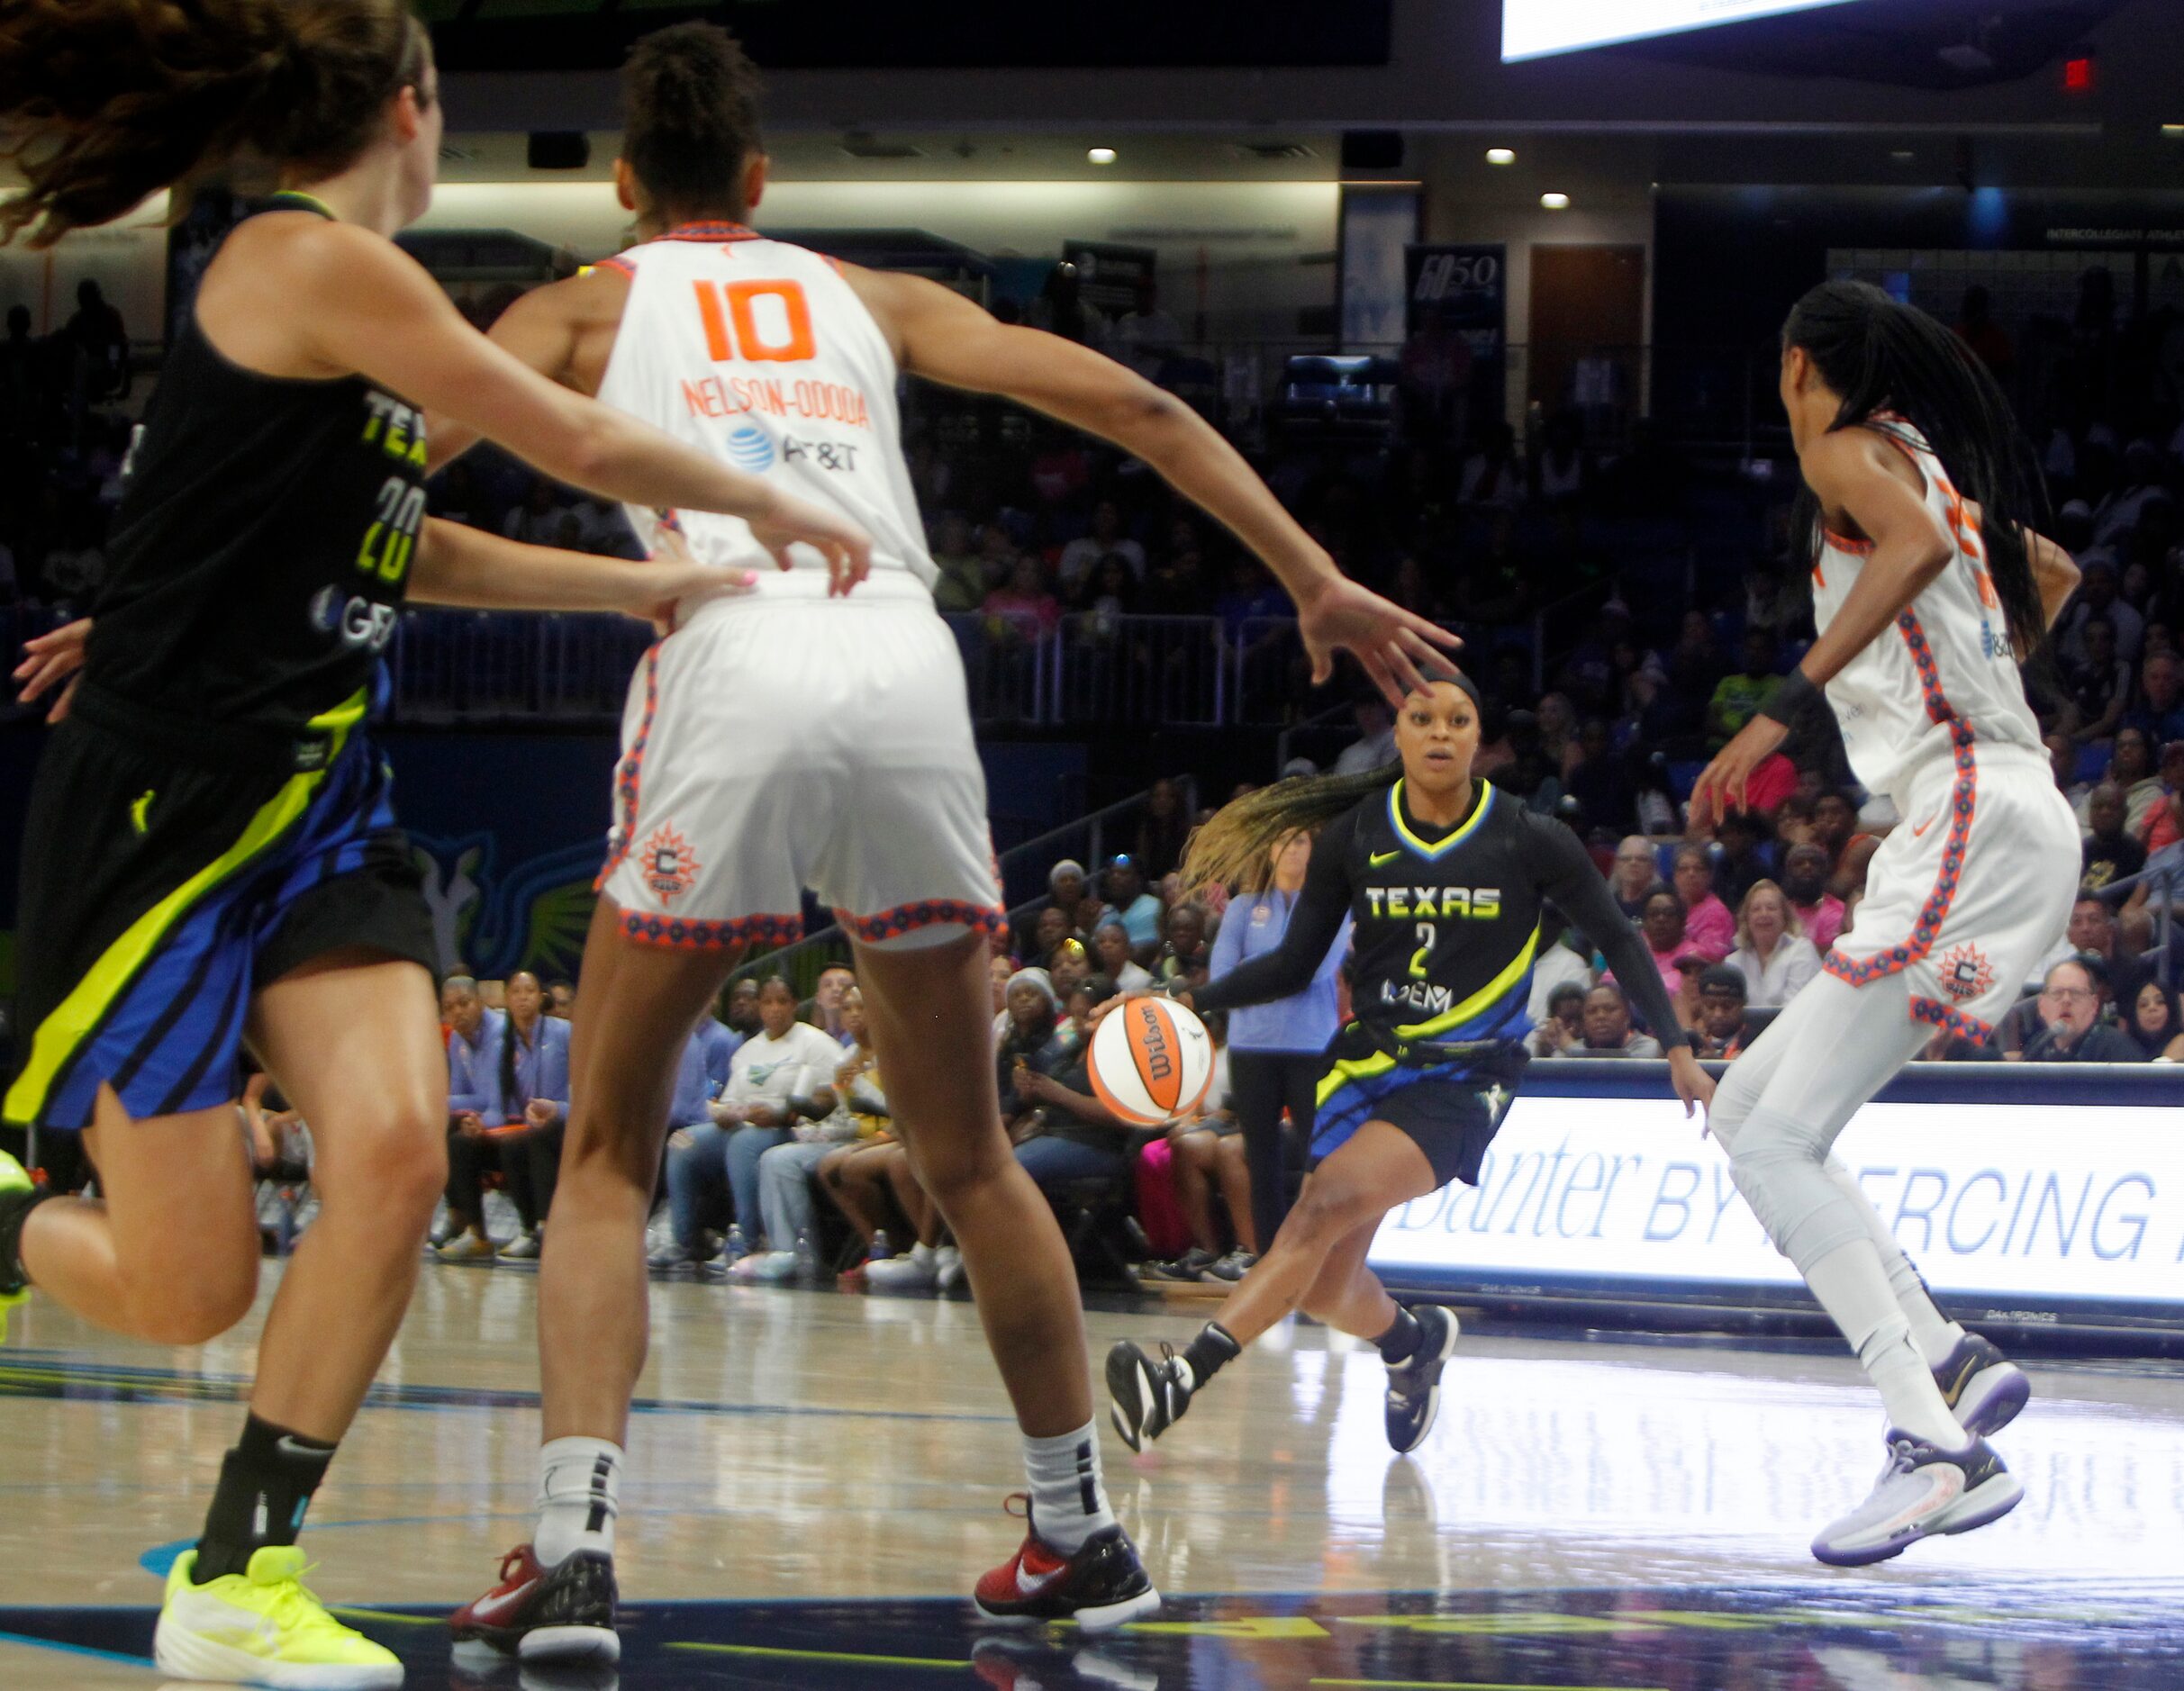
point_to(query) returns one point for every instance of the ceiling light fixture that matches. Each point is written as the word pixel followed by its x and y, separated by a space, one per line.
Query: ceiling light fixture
pixel 1100 156
pixel 1499 156
pixel 1556 202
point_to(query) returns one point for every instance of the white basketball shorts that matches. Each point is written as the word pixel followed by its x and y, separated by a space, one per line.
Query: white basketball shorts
pixel 1973 888
pixel 784 740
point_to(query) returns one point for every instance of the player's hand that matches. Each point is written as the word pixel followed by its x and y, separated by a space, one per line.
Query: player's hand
pixel 674 577
pixel 791 521
pixel 1388 640
pixel 541 1112
pixel 1121 999
pixel 1722 785
pixel 1693 1085
pixel 51 660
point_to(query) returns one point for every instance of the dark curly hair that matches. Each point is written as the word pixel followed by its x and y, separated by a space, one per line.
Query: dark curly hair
pixel 690 118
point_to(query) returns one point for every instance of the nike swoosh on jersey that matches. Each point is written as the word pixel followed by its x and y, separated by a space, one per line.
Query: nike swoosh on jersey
pixel 1378 858
pixel 1919 832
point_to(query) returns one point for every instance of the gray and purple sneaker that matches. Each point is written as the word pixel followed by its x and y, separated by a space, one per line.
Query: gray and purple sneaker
pixel 1923 1492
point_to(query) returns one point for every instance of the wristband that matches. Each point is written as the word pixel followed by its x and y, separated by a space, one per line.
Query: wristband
pixel 1790 696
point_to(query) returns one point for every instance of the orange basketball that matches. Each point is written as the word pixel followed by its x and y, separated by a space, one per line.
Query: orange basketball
pixel 1151 1062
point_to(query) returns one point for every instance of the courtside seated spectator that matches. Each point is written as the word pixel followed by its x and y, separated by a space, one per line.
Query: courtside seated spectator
pixel 1111 951
pixel 1772 953
pixel 532 1097
pixel 1185 956
pixel 1608 1032
pixel 1635 875
pixel 2094 932
pixel 474 1045
pixel 1662 928
pixel 782 1073
pixel 1068 1134
pixel 1563 1024
pixel 1707 921
pixel 823 1008
pixel 1206 1156
pixel 1559 964
pixel 786 1173
pixel 2070 1002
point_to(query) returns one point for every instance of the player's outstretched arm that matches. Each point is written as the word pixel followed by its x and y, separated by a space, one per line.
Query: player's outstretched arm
pixel 460 565
pixel 942 336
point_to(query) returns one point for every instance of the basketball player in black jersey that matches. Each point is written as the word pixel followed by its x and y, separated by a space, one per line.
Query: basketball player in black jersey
pixel 210 854
pixel 1446 878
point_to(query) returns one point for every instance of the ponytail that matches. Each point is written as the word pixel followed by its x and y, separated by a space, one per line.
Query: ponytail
pixel 1883 356
pixel 508 1059
pixel 1234 848
pixel 107 102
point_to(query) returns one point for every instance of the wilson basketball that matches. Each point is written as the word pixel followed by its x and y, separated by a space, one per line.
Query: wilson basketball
pixel 1151 1060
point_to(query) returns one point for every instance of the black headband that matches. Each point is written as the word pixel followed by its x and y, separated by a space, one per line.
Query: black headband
pixel 1437 669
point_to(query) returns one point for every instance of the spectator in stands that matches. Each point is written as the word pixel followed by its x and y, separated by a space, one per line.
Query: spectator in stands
pixel 2159 713
pixel 1001 968
pixel 2095 932
pixel 1085 555
pixel 1205 1156
pixel 961 583
pixel 1068 1134
pixel 1184 955
pixel 1608 1032
pixel 1738 696
pixel 98 333
pixel 1599 778
pixel 1047 938
pixel 1563 1024
pixel 537 521
pixel 1721 1012
pixel 1135 909
pixel 1563 960
pixel 532 1097
pixel 2153 1024
pixel 783 1074
pixel 2131 770
pixel 1818 912
pixel 1070 965
pixel 742 1017
pixel 561 999
pixel 2097 599
pixel 2111 855
pixel 786 1173
pixel 2071 1004
pixel 1374 746
pixel 1492 475
pixel 1662 926
pixel 2164 823
pixel 1772 953
pixel 1023 611
pixel 1636 873
pixel 2097 683
pixel 1744 861
pixel 473 1046
pixel 1111 951
pixel 823 1008
pixel 1707 921
pixel 1033 1042
pixel 1162 830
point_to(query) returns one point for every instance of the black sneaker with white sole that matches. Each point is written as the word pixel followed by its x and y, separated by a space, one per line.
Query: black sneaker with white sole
pixel 1983 1388
pixel 1413 1386
pixel 1149 1395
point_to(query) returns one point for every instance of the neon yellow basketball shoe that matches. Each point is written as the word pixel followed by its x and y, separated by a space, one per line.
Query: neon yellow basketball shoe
pixel 14 1179
pixel 264 1627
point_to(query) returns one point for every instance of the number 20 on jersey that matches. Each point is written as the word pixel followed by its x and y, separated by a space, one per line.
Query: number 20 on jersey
pixel 761 323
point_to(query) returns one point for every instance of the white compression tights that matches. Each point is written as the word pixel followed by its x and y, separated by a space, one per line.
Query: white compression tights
pixel 1778 1114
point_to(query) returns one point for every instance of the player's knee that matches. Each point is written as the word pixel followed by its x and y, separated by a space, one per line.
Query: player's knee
pixel 196 1307
pixel 1328 1207
pixel 953 1167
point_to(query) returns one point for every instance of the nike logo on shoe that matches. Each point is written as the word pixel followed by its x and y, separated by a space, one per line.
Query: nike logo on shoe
pixel 491 1607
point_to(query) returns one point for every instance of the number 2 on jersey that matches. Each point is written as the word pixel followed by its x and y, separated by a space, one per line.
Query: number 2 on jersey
pixel 729 312
pixel 1427 939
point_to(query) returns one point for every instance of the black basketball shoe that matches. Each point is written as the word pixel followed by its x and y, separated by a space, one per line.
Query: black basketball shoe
pixel 1413 1386
pixel 1149 1397
pixel 1099 1587
pixel 560 1614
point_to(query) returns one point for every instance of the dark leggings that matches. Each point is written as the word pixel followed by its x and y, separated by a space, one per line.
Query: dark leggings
pixel 530 1162
pixel 1261 1085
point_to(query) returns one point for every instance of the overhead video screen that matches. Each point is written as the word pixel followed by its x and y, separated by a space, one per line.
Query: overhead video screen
pixel 1534 29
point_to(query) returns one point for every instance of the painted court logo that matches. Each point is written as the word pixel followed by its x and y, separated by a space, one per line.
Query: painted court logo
pixel 1965 972
pixel 670 867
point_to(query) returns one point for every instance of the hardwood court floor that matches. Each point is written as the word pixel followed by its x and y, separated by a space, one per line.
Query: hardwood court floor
pixel 815 1479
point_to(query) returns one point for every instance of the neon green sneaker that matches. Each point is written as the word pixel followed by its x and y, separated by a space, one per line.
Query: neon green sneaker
pixel 264 1627
pixel 14 1177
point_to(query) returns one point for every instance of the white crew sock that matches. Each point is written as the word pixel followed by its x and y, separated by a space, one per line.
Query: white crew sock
pixel 1854 1290
pixel 579 1496
pixel 1068 1499
pixel 1933 1331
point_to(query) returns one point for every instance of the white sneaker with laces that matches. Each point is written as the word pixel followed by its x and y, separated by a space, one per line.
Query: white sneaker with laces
pixel 1923 1492
pixel 916 1271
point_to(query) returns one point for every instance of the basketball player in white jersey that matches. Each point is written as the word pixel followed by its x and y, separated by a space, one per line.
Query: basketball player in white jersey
pixel 785 364
pixel 1929 590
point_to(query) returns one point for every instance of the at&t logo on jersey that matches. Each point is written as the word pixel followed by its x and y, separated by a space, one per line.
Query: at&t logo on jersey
pixel 749 448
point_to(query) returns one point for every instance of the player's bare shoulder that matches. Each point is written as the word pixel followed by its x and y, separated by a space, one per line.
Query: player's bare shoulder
pixel 567 328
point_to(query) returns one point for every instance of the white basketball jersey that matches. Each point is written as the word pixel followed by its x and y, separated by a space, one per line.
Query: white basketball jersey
pixel 1945 675
pixel 761 355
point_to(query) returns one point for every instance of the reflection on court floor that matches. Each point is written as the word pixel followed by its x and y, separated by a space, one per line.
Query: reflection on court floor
pixel 815 1479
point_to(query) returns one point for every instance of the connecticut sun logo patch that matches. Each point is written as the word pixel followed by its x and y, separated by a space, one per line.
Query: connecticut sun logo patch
pixel 670 867
pixel 1965 972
